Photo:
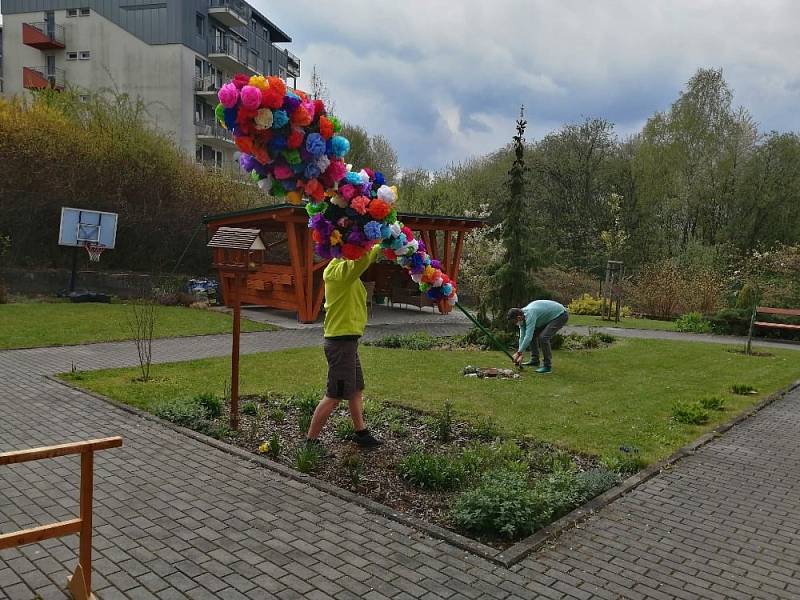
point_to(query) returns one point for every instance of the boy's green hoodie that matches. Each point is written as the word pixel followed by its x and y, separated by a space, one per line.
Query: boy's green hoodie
pixel 345 295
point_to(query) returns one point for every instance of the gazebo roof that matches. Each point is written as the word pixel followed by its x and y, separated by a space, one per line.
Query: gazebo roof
pixel 271 216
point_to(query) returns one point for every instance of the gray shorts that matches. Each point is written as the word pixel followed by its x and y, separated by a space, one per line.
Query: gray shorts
pixel 344 368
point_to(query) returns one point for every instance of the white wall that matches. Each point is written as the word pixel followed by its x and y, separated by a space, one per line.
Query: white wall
pixel 161 75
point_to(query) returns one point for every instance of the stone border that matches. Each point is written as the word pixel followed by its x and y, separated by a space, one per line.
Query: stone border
pixel 506 558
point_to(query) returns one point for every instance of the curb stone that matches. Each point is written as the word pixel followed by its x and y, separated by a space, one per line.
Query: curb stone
pixel 505 558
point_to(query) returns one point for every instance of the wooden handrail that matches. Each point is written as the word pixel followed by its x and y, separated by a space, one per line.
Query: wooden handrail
pixel 20 456
pixel 80 584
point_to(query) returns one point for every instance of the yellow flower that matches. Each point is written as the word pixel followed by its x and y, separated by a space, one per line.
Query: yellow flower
pixel 294 197
pixel 264 448
pixel 336 237
pixel 259 81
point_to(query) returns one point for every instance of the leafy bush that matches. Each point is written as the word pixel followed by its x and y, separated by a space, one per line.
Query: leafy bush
pixel 563 492
pixel 433 471
pixel 485 428
pixel 730 321
pixel 476 337
pixel 747 298
pixel 659 289
pixel 713 403
pixel 250 408
pixel 181 411
pixel 586 305
pixel 211 404
pixel 743 389
pixel 625 462
pixel 691 413
pixel 443 423
pixel 344 429
pixel 575 341
pixel 412 341
pixel 565 285
pixel 307 458
pixel 596 481
pixel 693 322
pixel 503 504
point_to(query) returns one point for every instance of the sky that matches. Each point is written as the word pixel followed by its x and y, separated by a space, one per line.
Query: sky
pixel 443 81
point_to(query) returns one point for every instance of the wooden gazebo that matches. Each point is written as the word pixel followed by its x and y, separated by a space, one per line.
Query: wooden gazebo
pixel 290 275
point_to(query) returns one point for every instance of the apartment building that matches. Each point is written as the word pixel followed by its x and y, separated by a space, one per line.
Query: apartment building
pixel 173 55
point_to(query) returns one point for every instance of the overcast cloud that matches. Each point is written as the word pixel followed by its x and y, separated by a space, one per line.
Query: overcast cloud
pixel 444 80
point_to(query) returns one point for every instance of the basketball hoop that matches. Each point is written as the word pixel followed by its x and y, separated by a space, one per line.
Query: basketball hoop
pixel 94 251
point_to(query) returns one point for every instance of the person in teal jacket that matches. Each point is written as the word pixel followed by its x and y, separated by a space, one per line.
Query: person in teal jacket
pixel 538 322
pixel 345 320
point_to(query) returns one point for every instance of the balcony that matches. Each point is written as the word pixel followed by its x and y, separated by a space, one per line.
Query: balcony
pixel 42 78
pixel 43 36
pixel 214 135
pixel 206 86
pixel 231 13
pixel 292 65
pixel 229 55
pixel 229 170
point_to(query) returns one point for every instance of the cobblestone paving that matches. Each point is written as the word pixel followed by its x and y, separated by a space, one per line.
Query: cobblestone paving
pixel 177 519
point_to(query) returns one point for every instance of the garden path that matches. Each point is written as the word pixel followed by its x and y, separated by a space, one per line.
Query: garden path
pixel 178 519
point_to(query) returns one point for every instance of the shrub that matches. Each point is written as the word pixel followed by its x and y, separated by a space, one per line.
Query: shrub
pixel 181 411
pixel 433 471
pixel 565 285
pixel 211 404
pixel 693 322
pixel 659 289
pixel 691 413
pixel 412 341
pixel 250 408
pixel 596 481
pixel 713 403
pixel 277 414
pixel 476 337
pixel 546 459
pixel 503 504
pixel 730 321
pixel 747 298
pixel 586 305
pixel 743 389
pixel 624 462
pixel 307 458
pixel 562 490
pixel 443 423
pixel 344 429
pixel 485 428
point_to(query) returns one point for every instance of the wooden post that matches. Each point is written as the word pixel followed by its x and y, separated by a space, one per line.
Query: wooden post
pixel 86 497
pixel 453 273
pixel 447 252
pixel 237 322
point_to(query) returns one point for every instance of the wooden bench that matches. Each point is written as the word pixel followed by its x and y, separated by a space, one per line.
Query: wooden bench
pixel 785 312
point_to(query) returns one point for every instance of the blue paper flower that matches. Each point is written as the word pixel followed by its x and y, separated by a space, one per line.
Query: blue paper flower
pixel 373 230
pixel 315 144
pixel 339 145
pixel 279 119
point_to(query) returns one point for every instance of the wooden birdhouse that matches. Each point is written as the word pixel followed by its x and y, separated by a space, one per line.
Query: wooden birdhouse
pixel 237 249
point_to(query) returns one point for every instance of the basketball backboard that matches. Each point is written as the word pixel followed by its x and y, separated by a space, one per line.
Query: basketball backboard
pixel 80 227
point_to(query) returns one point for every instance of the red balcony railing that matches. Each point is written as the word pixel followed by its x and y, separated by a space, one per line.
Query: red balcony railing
pixel 44 36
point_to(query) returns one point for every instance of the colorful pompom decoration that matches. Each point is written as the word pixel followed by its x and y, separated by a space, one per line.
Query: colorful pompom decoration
pixel 293 149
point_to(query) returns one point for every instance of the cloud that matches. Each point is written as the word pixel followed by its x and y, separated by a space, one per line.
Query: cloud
pixel 444 80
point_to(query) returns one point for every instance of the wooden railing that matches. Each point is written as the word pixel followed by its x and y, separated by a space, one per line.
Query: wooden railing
pixel 80 584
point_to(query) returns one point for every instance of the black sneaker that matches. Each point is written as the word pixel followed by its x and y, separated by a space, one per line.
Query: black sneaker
pixel 366 440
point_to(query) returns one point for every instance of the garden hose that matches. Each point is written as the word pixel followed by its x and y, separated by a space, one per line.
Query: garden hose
pixel 486 331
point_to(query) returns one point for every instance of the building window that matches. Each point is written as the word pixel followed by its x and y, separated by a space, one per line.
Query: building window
pixel 200 24
pixel 72 12
pixel 85 55
pixel 72 56
pixel 83 98
pixel 85 12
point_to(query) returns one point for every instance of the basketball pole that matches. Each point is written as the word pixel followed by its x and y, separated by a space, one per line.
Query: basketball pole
pixel 74 274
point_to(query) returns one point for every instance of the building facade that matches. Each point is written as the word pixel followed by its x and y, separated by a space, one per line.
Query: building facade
pixel 173 55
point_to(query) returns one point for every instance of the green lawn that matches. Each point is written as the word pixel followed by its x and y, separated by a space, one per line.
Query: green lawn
pixel 629 323
pixel 27 325
pixel 594 402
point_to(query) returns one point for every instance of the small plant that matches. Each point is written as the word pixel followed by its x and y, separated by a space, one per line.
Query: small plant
pixel 181 411
pixel 691 413
pixel 502 504
pixel 625 462
pixel 307 458
pixel 74 372
pixel 432 471
pixel 546 459
pixel 211 404
pixel 303 422
pixel 443 423
pixel 344 429
pixel 305 402
pixel 412 341
pixel 596 481
pixel 693 322
pixel 250 408
pixel 713 403
pixel 398 429
pixel 278 415
pixel 141 325
pixel 273 447
pixel 218 431
pixel 742 389
pixel 354 465
pixel 485 428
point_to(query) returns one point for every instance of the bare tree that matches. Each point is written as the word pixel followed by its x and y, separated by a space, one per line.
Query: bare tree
pixel 141 323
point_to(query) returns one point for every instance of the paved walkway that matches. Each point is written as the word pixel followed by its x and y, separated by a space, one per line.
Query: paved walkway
pixel 177 519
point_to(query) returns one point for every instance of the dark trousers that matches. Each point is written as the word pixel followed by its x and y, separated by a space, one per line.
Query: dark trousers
pixel 541 339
